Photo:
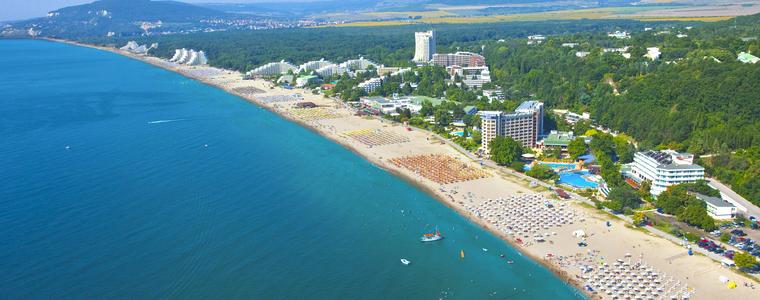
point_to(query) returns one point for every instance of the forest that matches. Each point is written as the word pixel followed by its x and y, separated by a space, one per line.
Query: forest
pixel 695 97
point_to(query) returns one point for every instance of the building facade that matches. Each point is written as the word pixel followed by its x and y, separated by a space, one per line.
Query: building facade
pixel 272 69
pixel 424 46
pixel 472 77
pixel 718 208
pixel 314 65
pixel 371 84
pixel 524 125
pixel 462 59
pixel 665 168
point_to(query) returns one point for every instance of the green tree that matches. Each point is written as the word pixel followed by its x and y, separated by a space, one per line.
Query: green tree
pixel 504 150
pixel 695 214
pixel 625 196
pixel 551 152
pixel 576 148
pixel 744 260
pixel 442 117
pixel 543 172
pixel 645 189
pixel 725 237
pixel 427 108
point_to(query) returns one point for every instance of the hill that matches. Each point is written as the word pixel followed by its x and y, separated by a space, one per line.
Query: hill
pixel 123 18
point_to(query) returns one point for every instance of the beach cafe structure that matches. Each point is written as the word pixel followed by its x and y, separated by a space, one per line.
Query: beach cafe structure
pixel 557 139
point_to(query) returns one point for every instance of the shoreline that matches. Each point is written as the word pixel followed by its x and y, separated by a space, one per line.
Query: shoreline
pixel 496 185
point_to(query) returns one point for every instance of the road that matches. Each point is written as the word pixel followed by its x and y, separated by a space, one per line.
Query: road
pixel 752 209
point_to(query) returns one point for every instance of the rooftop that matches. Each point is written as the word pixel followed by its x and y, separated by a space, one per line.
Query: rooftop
pixel 558 138
pixel 419 99
pixel 528 105
pixel 714 201
pixel 672 160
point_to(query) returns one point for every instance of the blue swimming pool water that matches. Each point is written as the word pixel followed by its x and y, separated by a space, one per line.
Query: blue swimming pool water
pixel 573 178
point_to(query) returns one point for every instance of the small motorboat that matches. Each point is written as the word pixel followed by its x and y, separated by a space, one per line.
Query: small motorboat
pixel 485 250
pixel 431 237
pixel 405 261
pixel 510 262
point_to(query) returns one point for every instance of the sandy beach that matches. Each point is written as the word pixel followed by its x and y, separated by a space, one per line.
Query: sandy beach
pixel 421 158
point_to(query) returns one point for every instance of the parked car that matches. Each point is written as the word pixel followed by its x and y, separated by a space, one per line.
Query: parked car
pixel 738 232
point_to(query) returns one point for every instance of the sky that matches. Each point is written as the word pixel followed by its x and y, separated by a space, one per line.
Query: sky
pixel 24 9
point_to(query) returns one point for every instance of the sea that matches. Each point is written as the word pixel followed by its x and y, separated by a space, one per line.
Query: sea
pixel 120 180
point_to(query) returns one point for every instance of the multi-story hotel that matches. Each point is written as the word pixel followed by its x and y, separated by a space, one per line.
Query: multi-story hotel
pixel 472 77
pixel 371 84
pixel 424 46
pixel 524 125
pixel 665 168
pixel 272 69
pixel 462 59
pixel 314 65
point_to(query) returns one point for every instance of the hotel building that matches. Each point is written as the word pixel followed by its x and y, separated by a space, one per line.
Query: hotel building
pixel 314 65
pixel 524 125
pixel 424 46
pixel 272 69
pixel 665 168
pixel 472 77
pixel 462 59
pixel 371 84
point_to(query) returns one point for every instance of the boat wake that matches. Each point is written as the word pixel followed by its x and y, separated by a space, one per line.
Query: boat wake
pixel 165 121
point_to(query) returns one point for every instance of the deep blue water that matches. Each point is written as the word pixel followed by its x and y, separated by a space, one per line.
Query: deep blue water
pixel 227 202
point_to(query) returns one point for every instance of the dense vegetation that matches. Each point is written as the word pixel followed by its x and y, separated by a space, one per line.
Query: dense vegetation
pixel 505 150
pixel 679 201
pixel 244 50
pixel 684 100
pixel 741 170
pixel 696 97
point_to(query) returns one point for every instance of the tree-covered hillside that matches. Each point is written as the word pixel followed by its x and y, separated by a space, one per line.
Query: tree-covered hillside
pixel 393 45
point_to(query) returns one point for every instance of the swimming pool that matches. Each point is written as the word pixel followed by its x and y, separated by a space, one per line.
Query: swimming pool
pixel 575 179
pixel 555 166
pixel 572 178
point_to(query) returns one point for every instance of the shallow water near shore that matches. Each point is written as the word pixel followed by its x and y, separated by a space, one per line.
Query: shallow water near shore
pixel 125 181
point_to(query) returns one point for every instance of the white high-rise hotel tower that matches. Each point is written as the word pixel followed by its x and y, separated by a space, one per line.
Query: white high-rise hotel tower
pixel 424 46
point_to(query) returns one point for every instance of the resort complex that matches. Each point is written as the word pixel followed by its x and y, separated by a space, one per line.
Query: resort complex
pixel 135 48
pixel 575 187
pixel 524 125
pixel 665 168
pixel 189 57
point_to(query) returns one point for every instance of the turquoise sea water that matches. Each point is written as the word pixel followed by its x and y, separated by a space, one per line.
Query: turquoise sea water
pixel 219 199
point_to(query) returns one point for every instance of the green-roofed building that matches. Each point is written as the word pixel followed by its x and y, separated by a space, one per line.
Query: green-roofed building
pixel 747 58
pixel 558 139
pixel 470 110
pixel 419 99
